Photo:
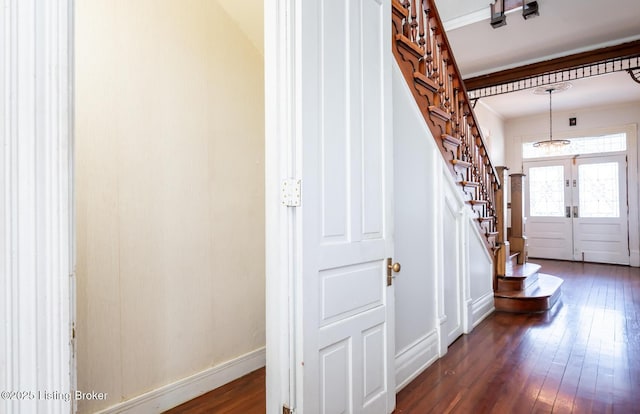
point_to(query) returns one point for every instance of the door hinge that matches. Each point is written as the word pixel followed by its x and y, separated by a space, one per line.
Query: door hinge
pixel 290 192
pixel 287 410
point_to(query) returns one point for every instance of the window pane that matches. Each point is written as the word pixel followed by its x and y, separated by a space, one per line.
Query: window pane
pixel 599 190
pixel 584 145
pixel 546 191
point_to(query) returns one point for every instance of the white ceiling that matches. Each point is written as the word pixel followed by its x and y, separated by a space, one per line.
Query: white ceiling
pixel 563 27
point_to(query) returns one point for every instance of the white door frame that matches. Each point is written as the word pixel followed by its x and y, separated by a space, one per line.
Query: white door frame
pixel 280 53
pixel 36 205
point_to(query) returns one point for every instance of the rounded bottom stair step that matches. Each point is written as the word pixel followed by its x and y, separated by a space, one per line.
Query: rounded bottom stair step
pixel 537 297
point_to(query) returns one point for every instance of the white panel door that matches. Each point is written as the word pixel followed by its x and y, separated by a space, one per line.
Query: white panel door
pixel 344 308
pixel 547 199
pixel 600 212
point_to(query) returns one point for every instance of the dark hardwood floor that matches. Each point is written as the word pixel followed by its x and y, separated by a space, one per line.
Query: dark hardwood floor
pixel 583 356
pixel 245 395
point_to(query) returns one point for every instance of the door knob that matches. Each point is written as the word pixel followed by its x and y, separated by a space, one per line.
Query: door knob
pixel 392 267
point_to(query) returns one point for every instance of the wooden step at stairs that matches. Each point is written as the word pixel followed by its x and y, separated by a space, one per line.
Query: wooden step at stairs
pixel 524 289
pixel 518 278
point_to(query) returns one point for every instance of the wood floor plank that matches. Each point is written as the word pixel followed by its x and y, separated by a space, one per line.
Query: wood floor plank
pixel 244 395
pixel 583 356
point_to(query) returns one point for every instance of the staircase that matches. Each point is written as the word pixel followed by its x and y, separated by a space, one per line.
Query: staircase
pixel 423 53
pixel 425 58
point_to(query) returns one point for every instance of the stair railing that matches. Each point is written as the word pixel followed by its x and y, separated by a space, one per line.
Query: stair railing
pixel 427 63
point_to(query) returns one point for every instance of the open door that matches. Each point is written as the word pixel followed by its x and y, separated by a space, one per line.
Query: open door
pixel 340 150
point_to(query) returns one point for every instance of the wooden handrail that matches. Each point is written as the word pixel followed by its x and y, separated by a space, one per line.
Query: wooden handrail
pixel 426 59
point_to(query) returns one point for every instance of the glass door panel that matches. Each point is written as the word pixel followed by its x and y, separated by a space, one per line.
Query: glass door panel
pixel 599 190
pixel 546 184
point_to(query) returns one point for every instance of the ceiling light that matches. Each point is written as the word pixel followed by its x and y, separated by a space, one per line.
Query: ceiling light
pixel 529 9
pixel 552 143
pixel 635 74
pixel 498 18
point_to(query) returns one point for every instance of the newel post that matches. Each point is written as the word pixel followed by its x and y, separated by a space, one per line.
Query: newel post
pixel 518 239
pixel 503 253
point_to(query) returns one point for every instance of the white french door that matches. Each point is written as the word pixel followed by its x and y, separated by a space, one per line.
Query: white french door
pixel 576 209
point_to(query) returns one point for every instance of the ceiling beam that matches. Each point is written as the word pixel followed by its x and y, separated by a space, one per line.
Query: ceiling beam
pixel 629 49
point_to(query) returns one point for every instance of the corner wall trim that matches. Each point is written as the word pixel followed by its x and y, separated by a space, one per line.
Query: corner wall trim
pixel 181 391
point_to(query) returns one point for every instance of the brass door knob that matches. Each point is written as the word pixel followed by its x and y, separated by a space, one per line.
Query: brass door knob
pixel 395 267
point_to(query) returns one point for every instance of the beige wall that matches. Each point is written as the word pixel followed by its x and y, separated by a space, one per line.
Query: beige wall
pixel 492 126
pixel 170 193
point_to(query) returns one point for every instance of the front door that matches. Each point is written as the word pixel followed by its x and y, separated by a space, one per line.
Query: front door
pixel 577 209
pixel 600 213
pixel 344 308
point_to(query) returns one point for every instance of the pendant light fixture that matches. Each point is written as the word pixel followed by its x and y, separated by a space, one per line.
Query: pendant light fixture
pixel 552 143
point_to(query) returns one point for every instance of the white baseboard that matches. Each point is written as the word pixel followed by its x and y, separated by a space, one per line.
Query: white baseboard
pixel 171 395
pixel 482 308
pixel 416 358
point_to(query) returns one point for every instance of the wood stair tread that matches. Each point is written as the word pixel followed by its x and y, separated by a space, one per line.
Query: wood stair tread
pixel 439 112
pixel 460 166
pixel 449 139
pixel 521 271
pixel 425 82
pixel 400 9
pixel 486 218
pixel 511 284
pixel 408 45
pixel 470 184
pixel 546 286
